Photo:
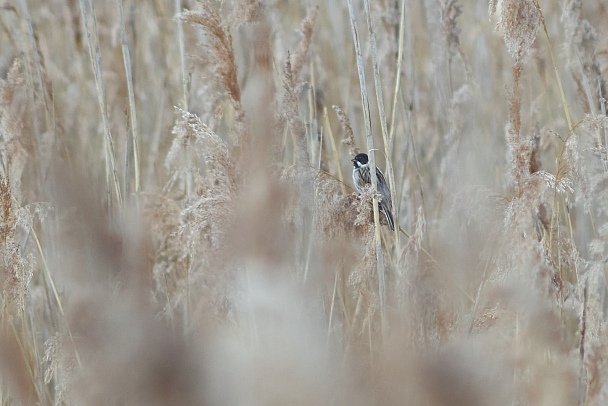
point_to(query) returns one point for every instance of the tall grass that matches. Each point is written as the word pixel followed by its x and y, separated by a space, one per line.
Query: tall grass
pixel 179 227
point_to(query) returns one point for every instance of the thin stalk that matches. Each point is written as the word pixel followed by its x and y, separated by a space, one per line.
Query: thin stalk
pixel 559 80
pixel 331 311
pixel 381 111
pixel 182 54
pixel 95 55
pixel 56 294
pixel 334 150
pixel 398 71
pixel 372 159
pixel 25 357
pixel 132 110
pixel 478 295
pixel 584 381
pixel 603 109
pixel 312 128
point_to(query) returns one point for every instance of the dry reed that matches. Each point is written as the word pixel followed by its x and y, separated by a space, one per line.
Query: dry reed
pixel 178 225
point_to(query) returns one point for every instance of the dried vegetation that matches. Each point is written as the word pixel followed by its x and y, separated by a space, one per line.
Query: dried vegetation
pixel 178 224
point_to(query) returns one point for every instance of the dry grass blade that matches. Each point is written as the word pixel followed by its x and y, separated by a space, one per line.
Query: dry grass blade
pixel 249 272
pixel 334 148
pixel 385 136
pixel 557 76
pixel 88 13
pixel 398 69
pixel 182 55
pixel 372 160
pixel 134 127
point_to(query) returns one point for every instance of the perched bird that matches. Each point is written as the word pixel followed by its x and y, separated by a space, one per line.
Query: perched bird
pixel 362 177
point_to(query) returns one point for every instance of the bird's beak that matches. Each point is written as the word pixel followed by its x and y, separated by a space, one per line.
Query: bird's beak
pixel 352 160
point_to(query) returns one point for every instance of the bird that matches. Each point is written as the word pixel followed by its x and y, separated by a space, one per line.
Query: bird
pixel 362 176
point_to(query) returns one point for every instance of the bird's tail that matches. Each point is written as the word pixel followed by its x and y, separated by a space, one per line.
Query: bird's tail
pixel 389 216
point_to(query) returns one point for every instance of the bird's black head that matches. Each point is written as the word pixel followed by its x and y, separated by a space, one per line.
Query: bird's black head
pixel 360 160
